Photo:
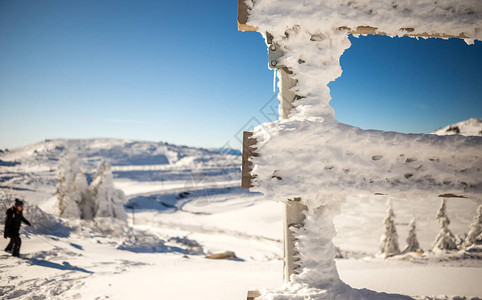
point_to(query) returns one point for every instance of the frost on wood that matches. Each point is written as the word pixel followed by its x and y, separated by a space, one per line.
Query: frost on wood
pixel 311 156
pixel 322 161
pixel 389 240
pixel 315 247
pixel 445 240
pixel 412 241
pixel 391 17
pixel 311 152
pixel 474 237
pixel 79 200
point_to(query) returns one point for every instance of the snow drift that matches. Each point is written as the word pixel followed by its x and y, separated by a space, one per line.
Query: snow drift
pixel 42 222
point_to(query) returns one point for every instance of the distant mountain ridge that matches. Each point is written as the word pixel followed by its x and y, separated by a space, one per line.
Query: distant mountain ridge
pixel 470 127
pixel 229 151
pixel 118 152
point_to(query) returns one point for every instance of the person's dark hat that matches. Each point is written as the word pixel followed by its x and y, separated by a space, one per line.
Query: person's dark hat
pixel 18 202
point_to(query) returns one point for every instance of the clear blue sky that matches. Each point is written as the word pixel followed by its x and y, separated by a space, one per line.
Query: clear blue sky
pixel 179 71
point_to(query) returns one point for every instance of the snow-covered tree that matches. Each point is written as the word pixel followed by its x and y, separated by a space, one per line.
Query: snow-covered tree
pixel 72 188
pixel 78 200
pixel 389 240
pixel 412 241
pixel 108 200
pixel 445 240
pixel 475 233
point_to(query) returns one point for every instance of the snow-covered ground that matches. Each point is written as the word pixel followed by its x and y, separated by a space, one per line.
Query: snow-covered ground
pixel 188 204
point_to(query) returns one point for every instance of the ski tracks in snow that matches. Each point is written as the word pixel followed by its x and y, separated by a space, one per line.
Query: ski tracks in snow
pixel 53 273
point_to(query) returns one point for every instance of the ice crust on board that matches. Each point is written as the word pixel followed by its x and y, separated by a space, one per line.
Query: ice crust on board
pixel 388 16
pixel 312 156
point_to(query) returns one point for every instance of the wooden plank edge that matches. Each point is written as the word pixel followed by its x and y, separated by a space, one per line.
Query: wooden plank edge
pixel 374 31
pixel 243 17
pixel 447 195
pixel 253 294
pixel 246 165
pixel 363 30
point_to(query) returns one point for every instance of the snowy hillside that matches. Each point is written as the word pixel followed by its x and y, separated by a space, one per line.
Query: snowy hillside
pixel 118 152
pixel 147 163
pixel 468 127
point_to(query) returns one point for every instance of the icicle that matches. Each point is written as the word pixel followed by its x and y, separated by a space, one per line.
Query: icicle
pixel 275 73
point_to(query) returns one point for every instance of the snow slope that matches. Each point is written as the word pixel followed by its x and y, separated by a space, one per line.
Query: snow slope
pixel 118 152
pixel 151 165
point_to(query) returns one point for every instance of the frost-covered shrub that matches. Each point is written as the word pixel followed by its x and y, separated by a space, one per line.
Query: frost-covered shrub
pixel 72 190
pixel 474 237
pixel 389 240
pixel 140 242
pixel 412 241
pixel 454 129
pixel 445 240
pixel 191 246
pixel 79 200
pixel 107 199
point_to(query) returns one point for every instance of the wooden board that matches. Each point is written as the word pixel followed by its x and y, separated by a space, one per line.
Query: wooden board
pixel 253 294
pixel 373 30
pixel 247 166
pixel 243 15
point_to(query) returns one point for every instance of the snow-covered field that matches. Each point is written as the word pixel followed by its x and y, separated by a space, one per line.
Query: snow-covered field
pixel 188 204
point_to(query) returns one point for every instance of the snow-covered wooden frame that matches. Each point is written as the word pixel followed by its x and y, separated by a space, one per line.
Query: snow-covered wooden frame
pixel 309 157
pixel 243 13
pixel 403 168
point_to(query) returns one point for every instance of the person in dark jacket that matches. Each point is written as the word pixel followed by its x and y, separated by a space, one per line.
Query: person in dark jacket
pixel 12 227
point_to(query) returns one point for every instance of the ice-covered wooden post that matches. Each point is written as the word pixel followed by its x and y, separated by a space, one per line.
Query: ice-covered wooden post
pixel 309 157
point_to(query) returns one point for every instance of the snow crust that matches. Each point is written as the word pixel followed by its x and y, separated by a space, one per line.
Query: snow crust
pixel 312 156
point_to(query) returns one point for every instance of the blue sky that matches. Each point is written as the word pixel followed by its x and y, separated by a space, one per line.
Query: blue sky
pixel 179 71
